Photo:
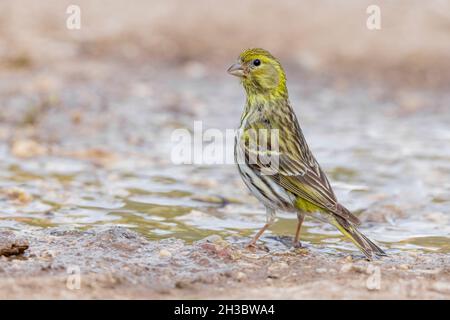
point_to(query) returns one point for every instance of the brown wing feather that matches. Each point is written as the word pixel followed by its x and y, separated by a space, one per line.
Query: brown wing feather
pixel 298 170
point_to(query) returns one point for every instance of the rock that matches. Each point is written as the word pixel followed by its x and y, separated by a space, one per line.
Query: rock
pixel 241 276
pixel 212 238
pixel 321 270
pixel 10 245
pixel 163 253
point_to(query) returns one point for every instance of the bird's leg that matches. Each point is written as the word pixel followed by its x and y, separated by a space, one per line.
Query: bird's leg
pixel 270 219
pixel 256 237
pixel 300 218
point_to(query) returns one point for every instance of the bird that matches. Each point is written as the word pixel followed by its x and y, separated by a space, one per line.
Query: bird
pixel 274 159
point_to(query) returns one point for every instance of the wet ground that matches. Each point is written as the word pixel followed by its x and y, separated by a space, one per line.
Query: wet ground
pixel 114 262
pixel 87 183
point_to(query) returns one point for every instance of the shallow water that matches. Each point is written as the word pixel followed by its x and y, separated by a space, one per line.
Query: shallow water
pixel 105 160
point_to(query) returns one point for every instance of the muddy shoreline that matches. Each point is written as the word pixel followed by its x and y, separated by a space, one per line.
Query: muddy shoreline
pixel 114 262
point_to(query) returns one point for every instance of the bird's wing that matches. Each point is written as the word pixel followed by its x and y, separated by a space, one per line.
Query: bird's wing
pixel 296 169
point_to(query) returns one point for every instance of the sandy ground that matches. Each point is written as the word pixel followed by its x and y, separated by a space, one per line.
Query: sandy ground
pixel 118 263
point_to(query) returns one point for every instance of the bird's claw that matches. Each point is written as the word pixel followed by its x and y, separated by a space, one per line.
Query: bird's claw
pixel 297 244
pixel 252 246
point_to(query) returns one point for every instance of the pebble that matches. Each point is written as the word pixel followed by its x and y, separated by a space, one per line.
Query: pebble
pixel 213 238
pixel 321 270
pixel 10 245
pixel 163 253
pixel 241 276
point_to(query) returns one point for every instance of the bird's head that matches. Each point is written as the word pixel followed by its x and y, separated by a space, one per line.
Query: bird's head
pixel 261 73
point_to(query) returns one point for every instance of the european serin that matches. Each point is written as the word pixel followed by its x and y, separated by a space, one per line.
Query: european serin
pixel 297 184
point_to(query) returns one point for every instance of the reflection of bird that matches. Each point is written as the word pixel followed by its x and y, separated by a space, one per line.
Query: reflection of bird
pixel 274 159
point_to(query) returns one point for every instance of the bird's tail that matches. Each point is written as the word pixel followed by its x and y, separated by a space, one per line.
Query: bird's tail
pixel 361 241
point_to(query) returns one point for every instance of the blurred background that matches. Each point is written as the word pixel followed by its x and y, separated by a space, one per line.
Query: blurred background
pixel 318 36
pixel 86 115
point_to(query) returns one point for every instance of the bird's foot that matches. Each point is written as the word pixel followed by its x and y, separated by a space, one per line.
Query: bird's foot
pixel 252 246
pixel 297 244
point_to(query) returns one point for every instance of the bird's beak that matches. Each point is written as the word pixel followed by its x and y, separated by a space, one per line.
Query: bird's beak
pixel 236 70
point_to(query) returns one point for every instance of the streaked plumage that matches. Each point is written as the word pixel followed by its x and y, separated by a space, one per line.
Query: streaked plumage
pixel 297 184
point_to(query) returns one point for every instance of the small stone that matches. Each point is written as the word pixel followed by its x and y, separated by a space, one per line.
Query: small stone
pixel 11 245
pixel 321 270
pixel 163 253
pixel 183 284
pixel 403 267
pixel 241 276
pixel 213 238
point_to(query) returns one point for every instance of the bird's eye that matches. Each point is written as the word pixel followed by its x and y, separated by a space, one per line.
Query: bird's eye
pixel 256 62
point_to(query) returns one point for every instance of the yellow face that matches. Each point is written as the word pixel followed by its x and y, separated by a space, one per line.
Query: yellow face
pixel 260 72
